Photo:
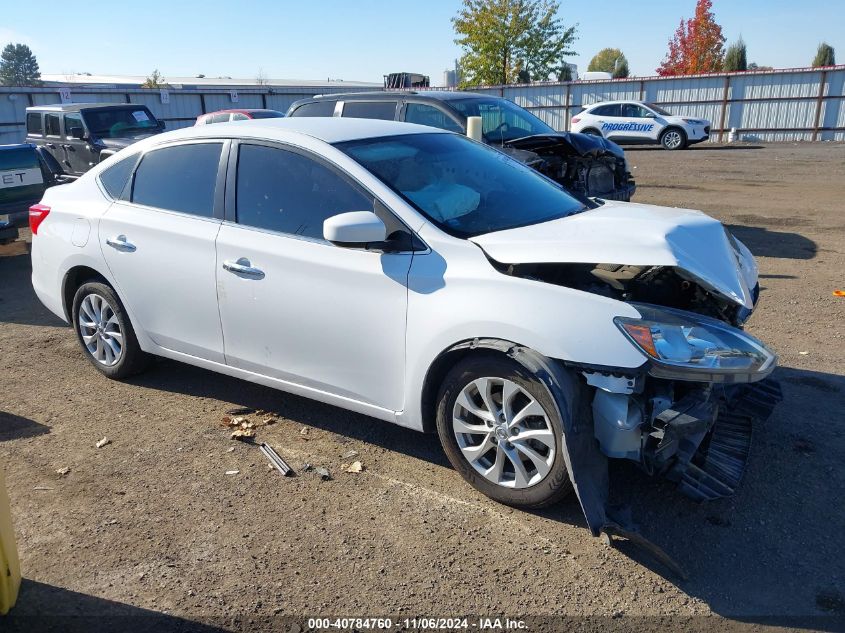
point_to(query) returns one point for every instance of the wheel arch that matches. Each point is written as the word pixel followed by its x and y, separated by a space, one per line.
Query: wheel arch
pixel 437 370
pixel 73 279
pixel 677 128
pixel 592 130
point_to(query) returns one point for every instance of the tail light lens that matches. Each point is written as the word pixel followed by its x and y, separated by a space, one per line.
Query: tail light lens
pixel 575 119
pixel 37 213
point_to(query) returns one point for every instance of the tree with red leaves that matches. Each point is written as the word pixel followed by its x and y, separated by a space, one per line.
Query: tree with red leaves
pixel 697 46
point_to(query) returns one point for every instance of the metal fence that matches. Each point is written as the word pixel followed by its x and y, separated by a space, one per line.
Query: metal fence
pixel 780 105
pixel 177 107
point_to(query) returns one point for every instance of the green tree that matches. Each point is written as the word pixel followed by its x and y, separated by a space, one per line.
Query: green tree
pixel 824 56
pixel 503 38
pixel 610 60
pixel 736 57
pixel 155 80
pixel 18 66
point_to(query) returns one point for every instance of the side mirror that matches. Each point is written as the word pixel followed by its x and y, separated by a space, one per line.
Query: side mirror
pixel 77 132
pixel 162 124
pixel 354 228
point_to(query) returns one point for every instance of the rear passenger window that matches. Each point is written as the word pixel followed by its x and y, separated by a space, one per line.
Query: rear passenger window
pixel 315 108
pixel 33 123
pixel 429 115
pixel 51 124
pixel 220 118
pixel 290 193
pixel 179 178
pixel 370 110
pixel 114 178
pixel 607 110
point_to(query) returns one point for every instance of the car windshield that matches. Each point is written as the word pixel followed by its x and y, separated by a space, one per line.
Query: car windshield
pixel 501 120
pixel 464 187
pixel 658 109
pixel 119 122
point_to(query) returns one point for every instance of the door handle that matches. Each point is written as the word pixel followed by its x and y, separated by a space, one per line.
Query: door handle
pixel 68 148
pixel 121 244
pixel 244 268
pixel 50 145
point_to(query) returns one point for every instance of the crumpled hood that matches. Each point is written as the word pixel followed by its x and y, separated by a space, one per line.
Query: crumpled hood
pixel 698 246
pixel 571 143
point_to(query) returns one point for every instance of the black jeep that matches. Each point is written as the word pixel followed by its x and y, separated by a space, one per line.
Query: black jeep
pixel 80 135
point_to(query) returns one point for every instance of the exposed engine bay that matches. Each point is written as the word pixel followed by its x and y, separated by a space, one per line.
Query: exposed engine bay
pixel 588 166
pixel 659 285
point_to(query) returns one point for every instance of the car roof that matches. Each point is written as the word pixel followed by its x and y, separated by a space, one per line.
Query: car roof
pixel 76 107
pixel 241 110
pixel 434 95
pixel 617 101
pixel 326 129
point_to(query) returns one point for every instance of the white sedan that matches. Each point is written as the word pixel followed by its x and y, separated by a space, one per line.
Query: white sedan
pixel 422 278
pixel 637 122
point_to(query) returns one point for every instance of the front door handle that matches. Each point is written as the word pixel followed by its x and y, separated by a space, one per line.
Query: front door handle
pixel 244 268
pixel 120 243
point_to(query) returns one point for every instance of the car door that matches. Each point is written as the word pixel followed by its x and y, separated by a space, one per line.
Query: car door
pixel 638 124
pixel 78 156
pixel 294 306
pixel 53 137
pixel 158 242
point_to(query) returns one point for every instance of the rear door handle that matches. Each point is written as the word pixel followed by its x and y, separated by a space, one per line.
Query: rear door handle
pixel 243 268
pixel 120 243
pixel 50 145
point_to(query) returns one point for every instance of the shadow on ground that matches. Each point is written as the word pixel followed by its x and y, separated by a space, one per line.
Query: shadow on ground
pixel 699 147
pixel 763 242
pixel 15 427
pixel 18 303
pixel 44 608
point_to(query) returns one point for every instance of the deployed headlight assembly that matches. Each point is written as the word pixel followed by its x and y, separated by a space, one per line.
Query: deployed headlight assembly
pixel 687 346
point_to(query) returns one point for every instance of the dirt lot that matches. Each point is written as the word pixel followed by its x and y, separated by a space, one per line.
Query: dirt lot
pixel 151 523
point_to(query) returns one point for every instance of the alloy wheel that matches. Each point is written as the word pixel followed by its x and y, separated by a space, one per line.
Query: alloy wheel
pixel 672 139
pixel 100 330
pixel 503 432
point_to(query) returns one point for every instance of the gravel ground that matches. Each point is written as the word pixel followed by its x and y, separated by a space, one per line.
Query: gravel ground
pixel 153 524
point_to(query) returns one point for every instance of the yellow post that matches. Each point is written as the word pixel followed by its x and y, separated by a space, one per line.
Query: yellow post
pixel 10 566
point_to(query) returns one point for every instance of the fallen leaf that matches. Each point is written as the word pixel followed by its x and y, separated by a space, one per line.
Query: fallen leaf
pixel 103 442
pixel 354 467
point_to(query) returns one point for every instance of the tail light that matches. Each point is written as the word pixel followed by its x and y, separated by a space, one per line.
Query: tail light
pixel 575 119
pixel 37 213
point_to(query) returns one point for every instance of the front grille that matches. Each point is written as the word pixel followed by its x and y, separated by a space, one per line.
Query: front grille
pixel 600 180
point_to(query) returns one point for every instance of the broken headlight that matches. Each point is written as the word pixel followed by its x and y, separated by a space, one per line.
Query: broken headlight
pixel 686 346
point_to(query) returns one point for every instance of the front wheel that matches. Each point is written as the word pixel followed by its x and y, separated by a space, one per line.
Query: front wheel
pixel 105 332
pixel 673 139
pixel 502 432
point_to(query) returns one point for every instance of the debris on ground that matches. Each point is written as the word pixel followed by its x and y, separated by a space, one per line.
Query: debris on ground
pixel 103 442
pixel 269 421
pixel 43 488
pixel 276 460
pixel 240 411
pixel 306 467
pixel 232 472
pixel 303 431
pixel 63 471
pixel 839 293
pixel 324 473
pixel 243 433
pixel 231 449
pixel 349 455
pixel 354 467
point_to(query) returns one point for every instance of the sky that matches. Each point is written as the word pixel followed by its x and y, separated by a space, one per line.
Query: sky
pixel 364 39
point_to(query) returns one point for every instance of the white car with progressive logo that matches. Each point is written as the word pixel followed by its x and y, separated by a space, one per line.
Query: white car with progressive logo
pixel 633 122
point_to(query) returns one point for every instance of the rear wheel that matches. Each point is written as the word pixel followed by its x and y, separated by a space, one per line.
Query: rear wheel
pixel 105 332
pixel 673 138
pixel 501 431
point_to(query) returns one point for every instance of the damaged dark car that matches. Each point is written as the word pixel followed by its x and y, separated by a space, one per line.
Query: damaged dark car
pixel 588 166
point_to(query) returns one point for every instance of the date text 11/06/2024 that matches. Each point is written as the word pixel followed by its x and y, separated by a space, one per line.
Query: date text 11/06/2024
pixel 432 623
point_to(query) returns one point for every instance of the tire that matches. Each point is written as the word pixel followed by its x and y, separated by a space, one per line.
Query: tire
pixel 673 138
pixel 591 131
pixel 103 332
pixel 465 378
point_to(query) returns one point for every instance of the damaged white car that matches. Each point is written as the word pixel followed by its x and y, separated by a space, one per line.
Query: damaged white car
pixel 425 279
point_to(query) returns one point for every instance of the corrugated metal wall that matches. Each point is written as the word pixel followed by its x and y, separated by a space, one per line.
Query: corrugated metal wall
pixel 783 105
pixel 182 109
